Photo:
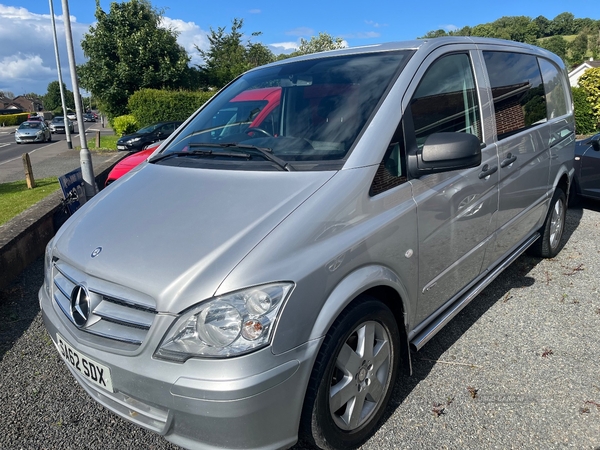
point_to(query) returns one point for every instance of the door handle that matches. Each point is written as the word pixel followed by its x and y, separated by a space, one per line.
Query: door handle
pixel 510 158
pixel 486 171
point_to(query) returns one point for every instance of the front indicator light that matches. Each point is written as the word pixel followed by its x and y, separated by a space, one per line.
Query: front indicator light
pixel 229 325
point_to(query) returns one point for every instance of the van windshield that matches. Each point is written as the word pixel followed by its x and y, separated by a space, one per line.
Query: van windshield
pixel 305 113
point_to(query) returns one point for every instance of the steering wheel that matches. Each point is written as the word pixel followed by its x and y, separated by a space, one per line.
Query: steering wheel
pixel 258 130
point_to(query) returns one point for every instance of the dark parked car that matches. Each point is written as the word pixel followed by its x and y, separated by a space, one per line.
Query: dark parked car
pixel 587 168
pixel 89 117
pixel 148 135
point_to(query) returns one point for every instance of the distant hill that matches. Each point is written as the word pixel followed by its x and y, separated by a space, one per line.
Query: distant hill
pixel 573 39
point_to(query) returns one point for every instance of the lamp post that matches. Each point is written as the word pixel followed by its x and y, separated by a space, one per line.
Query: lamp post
pixel 85 157
pixel 60 81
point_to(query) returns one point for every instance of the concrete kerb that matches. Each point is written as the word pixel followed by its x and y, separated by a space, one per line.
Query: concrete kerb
pixel 24 238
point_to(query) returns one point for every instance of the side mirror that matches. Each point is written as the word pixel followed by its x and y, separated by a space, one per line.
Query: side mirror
pixel 443 152
pixel 596 142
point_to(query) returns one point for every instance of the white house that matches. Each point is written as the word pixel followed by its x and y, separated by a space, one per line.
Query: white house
pixel 576 73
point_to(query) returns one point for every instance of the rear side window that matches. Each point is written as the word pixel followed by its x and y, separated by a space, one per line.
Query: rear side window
pixel 556 102
pixel 518 91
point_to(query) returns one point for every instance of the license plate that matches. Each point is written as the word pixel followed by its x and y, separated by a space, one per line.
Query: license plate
pixel 88 368
pixel 121 147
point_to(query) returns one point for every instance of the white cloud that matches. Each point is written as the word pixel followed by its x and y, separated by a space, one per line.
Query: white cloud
pixel 189 35
pixel 255 11
pixel 28 62
pixel 375 24
pixel 285 46
pixel 449 27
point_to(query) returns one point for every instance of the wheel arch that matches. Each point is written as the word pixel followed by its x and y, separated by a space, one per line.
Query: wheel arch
pixel 375 281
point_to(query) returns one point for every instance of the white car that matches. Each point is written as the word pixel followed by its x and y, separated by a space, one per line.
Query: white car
pixel 71 116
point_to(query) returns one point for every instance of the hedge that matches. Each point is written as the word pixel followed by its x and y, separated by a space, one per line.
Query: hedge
pixel 125 125
pixel 13 119
pixel 584 115
pixel 149 106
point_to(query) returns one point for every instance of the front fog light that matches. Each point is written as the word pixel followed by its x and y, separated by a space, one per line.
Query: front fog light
pixel 225 326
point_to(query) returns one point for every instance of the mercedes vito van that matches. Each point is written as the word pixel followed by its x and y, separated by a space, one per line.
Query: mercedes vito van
pixel 248 286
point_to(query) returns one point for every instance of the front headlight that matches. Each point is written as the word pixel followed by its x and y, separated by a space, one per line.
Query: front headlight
pixel 229 325
pixel 131 141
pixel 48 267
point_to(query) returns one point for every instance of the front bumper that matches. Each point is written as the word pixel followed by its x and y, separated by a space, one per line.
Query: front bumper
pixel 252 401
pixel 21 139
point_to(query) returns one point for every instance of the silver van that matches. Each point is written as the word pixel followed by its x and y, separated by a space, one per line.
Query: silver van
pixel 264 276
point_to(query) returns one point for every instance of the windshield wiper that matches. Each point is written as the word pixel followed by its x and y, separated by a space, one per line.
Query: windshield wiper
pixel 162 156
pixel 267 153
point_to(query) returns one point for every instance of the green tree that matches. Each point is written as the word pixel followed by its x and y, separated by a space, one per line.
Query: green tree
pixel 543 25
pixel 578 48
pixel 563 24
pixel 127 50
pixel 320 43
pixel 590 82
pixel 228 57
pixel 434 34
pixel 52 100
pixel 557 45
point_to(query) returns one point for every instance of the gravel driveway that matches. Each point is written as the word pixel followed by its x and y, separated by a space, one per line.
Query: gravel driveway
pixel 518 368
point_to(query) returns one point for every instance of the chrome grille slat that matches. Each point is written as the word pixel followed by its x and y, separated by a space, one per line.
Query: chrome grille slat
pixel 112 316
pixel 122 314
pixel 117 332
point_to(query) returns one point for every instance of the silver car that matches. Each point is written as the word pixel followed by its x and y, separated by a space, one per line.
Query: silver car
pixel 247 286
pixel 58 125
pixel 34 131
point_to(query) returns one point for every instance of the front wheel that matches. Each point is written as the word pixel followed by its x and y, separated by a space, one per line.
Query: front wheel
pixel 549 243
pixel 353 377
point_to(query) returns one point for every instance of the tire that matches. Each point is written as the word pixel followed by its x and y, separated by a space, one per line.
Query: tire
pixel 350 384
pixel 550 241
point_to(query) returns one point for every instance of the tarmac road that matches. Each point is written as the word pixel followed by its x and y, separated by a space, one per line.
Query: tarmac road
pixel 516 369
pixel 51 159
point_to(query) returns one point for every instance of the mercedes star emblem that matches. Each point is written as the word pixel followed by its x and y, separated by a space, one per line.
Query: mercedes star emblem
pixel 80 305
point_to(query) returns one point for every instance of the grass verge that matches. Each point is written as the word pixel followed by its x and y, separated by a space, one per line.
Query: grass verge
pixel 108 143
pixel 16 198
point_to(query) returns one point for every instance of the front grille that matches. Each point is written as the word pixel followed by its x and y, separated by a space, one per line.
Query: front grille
pixel 111 316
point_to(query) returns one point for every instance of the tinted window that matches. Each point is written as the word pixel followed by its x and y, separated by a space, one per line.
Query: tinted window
pixel 517 89
pixel 556 102
pixel 446 99
pixel 309 111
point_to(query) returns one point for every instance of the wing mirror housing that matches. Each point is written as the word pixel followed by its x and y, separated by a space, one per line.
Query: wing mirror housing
pixel 596 142
pixel 444 152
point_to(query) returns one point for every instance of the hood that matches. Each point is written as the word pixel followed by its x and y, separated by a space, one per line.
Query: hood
pixel 175 233
pixel 131 136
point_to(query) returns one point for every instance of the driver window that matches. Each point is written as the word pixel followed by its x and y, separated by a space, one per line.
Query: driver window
pixel 446 99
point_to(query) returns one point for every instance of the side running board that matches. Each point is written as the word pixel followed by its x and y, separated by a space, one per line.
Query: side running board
pixel 463 299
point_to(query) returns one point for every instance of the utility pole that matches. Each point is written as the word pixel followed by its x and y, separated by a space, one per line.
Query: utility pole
pixel 85 157
pixel 60 81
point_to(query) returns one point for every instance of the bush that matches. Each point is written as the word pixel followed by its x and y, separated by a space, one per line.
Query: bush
pixel 590 83
pixel 584 115
pixel 13 119
pixel 150 106
pixel 125 125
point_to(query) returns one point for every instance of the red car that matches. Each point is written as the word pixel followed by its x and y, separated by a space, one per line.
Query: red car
pixel 128 163
pixel 264 101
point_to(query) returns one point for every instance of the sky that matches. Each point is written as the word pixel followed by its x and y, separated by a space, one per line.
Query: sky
pixel 28 61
